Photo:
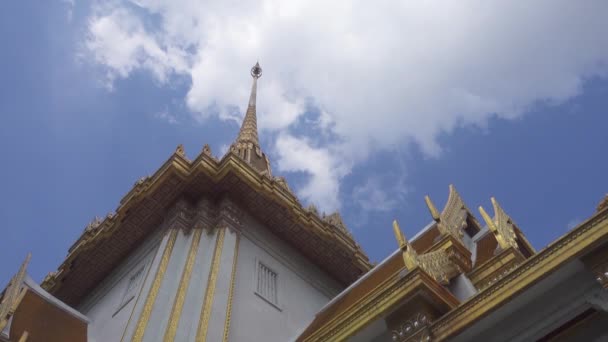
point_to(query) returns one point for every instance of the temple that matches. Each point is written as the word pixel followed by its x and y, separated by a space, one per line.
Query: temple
pixel 220 249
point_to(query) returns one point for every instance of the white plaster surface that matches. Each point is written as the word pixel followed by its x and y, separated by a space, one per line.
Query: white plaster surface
pixel 102 305
pixel 461 287
pixel 163 305
pixel 303 289
pixel 222 288
pixel 188 323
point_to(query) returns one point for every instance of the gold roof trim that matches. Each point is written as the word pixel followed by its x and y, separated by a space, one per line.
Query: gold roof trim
pixel 576 242
pixel 501 226
pixel 436 263
pixel 13 294
pixel 392 287
pixel 603 204
pixel 504 228
pixel 174 175
pixel 453 218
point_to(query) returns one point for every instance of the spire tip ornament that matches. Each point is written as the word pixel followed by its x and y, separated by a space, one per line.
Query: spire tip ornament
pixel 247 143
pixel 256 70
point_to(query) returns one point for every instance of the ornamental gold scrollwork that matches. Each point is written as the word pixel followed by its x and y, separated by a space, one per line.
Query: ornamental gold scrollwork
pixel 335 219
pixel 179 150
pixel 436 263
pixel 453 218
pixel 13 294
pixel 411 327
pixel 501 226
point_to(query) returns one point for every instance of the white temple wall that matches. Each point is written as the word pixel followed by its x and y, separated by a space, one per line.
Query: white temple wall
pixel 302 288
pixel 189 320
pixel 190 263
pixel 161 310
pixel 107 306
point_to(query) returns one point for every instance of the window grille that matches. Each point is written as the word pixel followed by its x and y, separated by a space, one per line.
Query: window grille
pixel 267 284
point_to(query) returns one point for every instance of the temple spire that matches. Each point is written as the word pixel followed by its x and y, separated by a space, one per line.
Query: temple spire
pixel 249 128
pixel 247 143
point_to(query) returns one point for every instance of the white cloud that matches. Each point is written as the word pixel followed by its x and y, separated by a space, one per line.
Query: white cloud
pixel 323 165
pixel 166 116
pixel 383 73
pixel 373 195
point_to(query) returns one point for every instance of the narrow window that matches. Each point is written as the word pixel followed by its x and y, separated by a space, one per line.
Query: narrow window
pixel 267 284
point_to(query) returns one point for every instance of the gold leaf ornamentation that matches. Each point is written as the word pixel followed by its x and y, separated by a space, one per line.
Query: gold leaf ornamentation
pixel 13 294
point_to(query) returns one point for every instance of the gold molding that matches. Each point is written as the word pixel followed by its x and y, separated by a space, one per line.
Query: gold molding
pixel 231 290
pixel 24 336
pixel 583 239
pixel 144 317
pixel 178 168
pixel 379 300
pixel 201 333
pixel 184 282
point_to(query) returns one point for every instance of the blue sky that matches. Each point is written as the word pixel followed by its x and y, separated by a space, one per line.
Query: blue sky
pixel 80 125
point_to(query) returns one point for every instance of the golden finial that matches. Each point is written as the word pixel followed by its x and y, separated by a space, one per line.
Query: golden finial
pixel 499 226
pixel 408 253
pixel 603 204
pixel 13 294
pixel 432 208
pixel 492 227
pixel 180 150
pixel 207 150
pixel 401 241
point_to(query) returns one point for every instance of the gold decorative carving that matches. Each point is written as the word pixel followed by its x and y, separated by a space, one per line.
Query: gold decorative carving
pixel 533 269
pixel 410 257
pixel 180 150
pixel 377 302
pixel 144 317
pixel 207 150
pixel 184 282
pixel 412 328
pixel 231 290
pixel 93 225
pixel 603 204
pixel 453 218
pixel 281 181
pixel 151 199
pixel 142 180
pixel 313 209
pixel 203 326
pixel 13 294
pixel 435 263
pixel 335 219
pixel 501 226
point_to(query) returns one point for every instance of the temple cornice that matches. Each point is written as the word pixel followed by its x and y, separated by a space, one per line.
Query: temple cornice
pixel 140 211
